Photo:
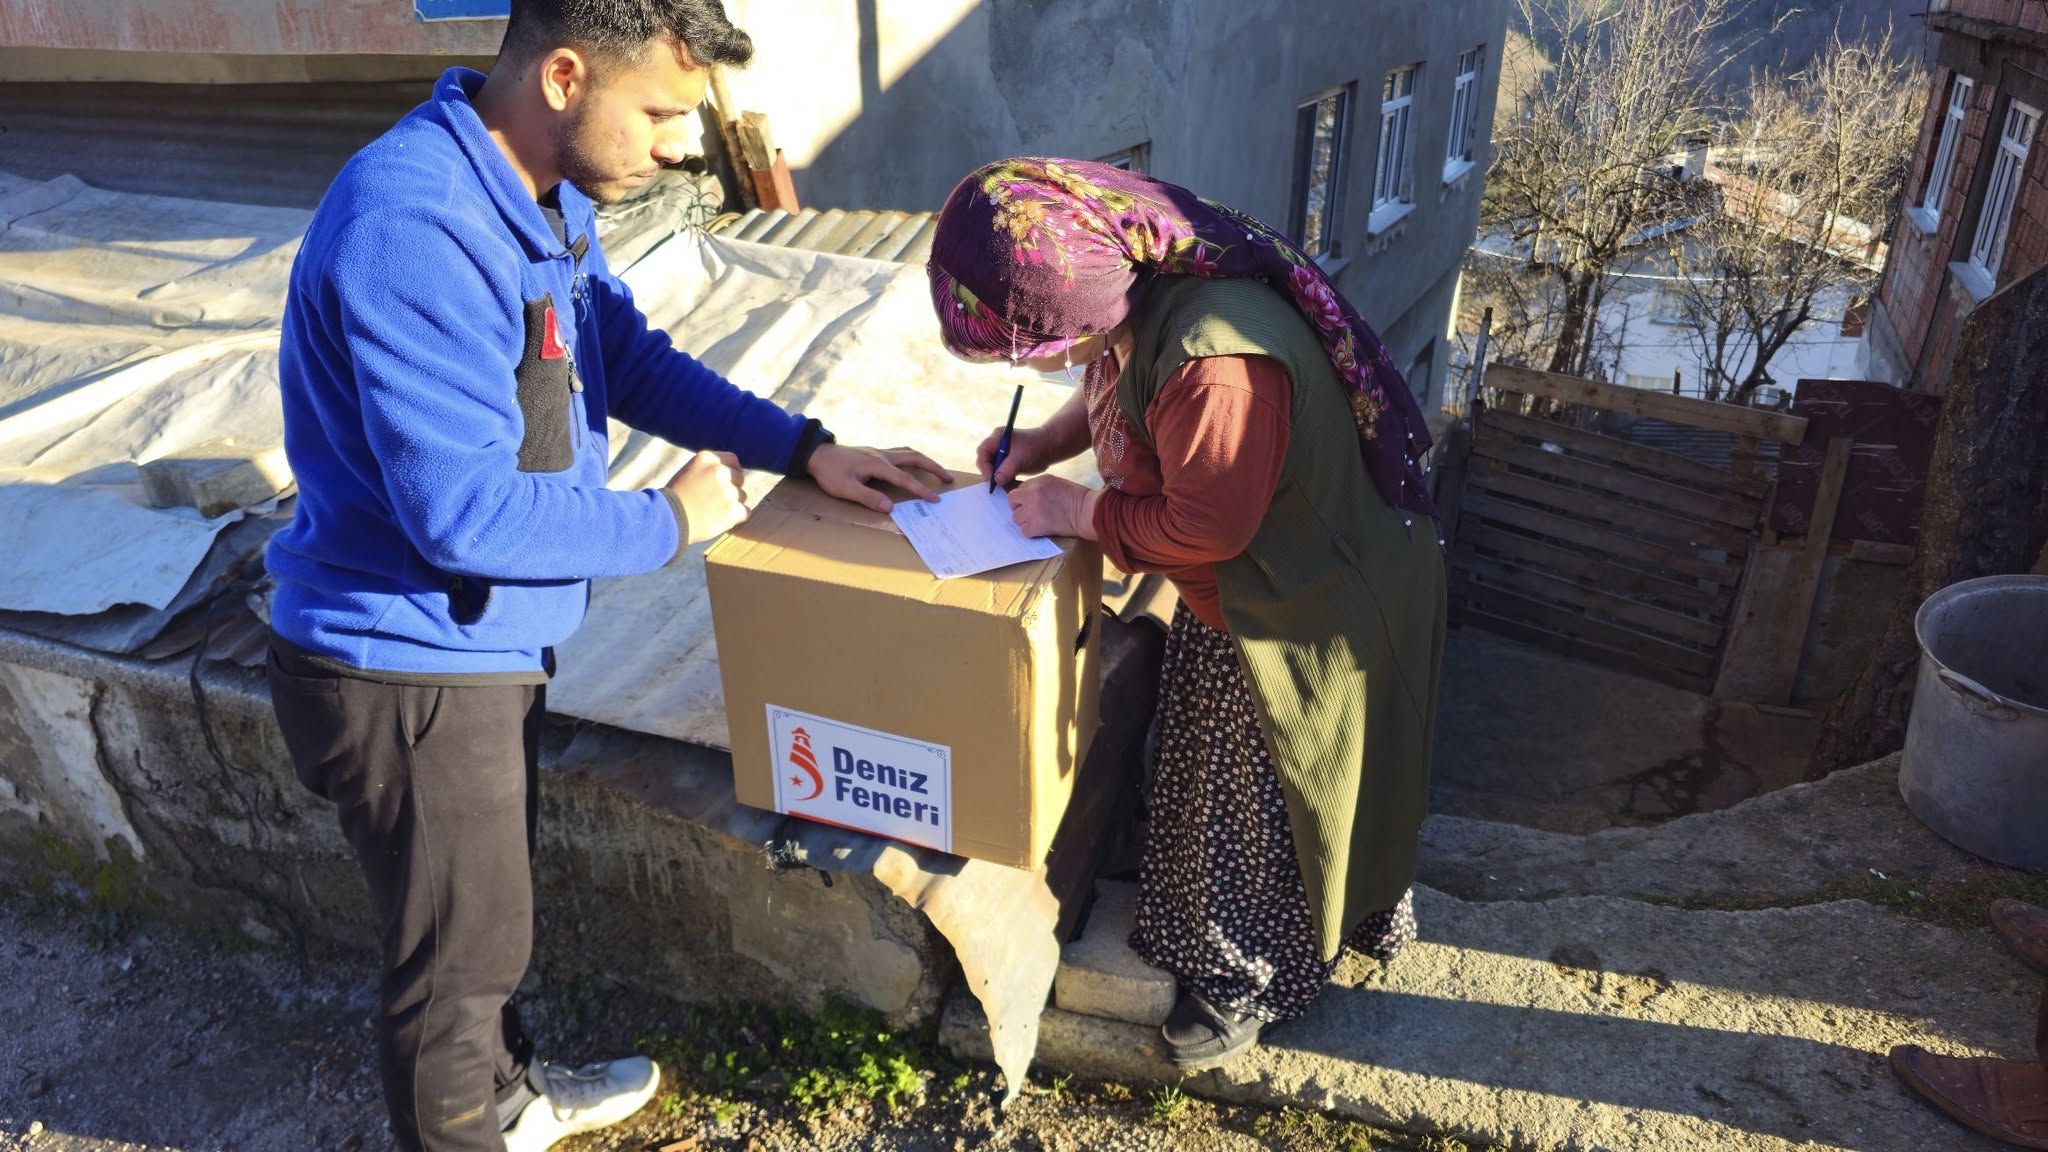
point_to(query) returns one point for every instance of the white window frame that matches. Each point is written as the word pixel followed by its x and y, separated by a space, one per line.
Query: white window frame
pixel 1392 187
pixel 1669 307
pixel 1949 143
pixel 1464 134
pixel 2002 194
pixel 1137 158
pixel 1332 243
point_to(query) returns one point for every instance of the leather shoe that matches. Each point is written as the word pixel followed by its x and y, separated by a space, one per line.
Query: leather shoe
pixel 1200 1035
pixel 2024 928
pixel 2003 1099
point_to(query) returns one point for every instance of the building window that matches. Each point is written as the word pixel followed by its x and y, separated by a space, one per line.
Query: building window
pixel 1669 307
pixel 1856 318
pixel 1137 158
pixel 1995 219
pixel 1391 198
pixel 1322 137
pixel 1931 197
pixel 1464 115
pixel 1420 373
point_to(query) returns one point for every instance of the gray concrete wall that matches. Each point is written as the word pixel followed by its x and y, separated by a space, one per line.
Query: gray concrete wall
pixel 888 103
pixel 242 26
pixel 650 874
pixel 1419 333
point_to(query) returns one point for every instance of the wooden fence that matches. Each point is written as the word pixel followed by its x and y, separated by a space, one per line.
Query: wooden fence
pixel 1597 547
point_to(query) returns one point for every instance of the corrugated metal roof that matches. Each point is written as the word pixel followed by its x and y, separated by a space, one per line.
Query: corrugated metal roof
pixel 1700 445
pixel 281 144
pixel 273 144
pixel 904 237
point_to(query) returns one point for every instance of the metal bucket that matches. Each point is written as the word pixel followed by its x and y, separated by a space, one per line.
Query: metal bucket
pixel 1975 767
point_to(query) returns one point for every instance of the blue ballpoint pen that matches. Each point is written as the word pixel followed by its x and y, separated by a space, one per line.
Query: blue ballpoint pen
pixel 1003 446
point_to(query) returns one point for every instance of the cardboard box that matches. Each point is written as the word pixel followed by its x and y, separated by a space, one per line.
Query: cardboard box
pixel 864 692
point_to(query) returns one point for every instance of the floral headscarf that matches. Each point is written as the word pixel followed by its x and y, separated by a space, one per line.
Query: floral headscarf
pixel 1031 256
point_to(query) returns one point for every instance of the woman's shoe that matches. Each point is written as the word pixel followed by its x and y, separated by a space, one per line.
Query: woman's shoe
pixel 1200 1035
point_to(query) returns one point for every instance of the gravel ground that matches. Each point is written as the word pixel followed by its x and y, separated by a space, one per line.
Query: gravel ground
pixel 160 1043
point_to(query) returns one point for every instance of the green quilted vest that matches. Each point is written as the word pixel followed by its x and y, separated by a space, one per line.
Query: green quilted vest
pixel 1337 606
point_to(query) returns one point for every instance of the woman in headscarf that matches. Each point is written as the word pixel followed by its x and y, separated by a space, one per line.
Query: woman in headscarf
pixel 1258 447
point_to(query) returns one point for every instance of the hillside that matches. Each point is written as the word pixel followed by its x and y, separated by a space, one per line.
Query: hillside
pixel 1805 29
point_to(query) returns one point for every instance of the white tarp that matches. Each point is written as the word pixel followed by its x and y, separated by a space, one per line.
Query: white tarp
pixel 852 342
pixel 133 327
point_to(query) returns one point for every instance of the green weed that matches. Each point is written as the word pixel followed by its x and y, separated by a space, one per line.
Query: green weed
pixel 578 1005
pixel 846 1058
pixel 109 896
pixel 1316 1132
pixel 1168 1103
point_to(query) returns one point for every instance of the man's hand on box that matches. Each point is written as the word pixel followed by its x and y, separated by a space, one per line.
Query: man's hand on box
pixel 713 501
pixel 850 473
pixel 1050 506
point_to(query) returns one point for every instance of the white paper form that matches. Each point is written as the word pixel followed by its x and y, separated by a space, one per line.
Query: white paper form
pixel 969 531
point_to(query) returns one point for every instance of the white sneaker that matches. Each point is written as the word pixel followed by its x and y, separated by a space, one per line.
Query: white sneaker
pixel 582 1100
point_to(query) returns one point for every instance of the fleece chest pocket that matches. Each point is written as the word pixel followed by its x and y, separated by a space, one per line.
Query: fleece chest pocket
pixel 546 375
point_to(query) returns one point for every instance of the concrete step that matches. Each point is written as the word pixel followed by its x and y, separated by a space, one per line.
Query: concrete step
pixel 1793 843
pixel 1599 1024
pixel 1101 975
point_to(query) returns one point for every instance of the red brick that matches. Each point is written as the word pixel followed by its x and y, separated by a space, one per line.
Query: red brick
pixel 2033 249
pixel 1996 11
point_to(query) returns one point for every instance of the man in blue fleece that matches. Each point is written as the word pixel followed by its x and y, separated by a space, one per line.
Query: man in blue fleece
pixel 453 344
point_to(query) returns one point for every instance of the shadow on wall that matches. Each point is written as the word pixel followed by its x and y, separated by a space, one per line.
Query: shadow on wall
pixel 1008 77
pixel 881 104
pixel 908 151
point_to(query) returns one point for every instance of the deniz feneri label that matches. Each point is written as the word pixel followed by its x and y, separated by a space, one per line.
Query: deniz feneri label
pixel 859 778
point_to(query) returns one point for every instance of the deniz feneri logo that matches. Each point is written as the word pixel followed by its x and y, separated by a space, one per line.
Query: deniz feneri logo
pixel 882 788
pixel 800 755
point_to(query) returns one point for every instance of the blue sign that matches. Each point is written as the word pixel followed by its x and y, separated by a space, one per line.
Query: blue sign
pixel 462 9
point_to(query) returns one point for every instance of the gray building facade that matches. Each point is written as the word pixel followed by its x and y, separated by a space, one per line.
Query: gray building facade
pixel 1364 126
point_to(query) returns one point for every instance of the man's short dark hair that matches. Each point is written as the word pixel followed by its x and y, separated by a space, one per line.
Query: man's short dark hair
pixel 621 29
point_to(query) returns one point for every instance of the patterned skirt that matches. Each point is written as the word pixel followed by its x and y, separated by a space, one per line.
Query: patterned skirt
pixel 1221 903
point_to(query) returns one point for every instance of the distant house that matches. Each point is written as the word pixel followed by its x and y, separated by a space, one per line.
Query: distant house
pixel 1363 128
pixel 1976 214
pixel 1654 346
pixel 1646 338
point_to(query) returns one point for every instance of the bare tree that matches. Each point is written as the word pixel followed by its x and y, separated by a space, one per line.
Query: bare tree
pixel 1798 206
pixel 1526 308
pixel 1581 170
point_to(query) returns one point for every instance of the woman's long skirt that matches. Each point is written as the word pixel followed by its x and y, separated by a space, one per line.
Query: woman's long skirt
pixel 1221 903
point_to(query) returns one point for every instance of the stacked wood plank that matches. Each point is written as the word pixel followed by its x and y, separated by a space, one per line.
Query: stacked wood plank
pixel 1606 550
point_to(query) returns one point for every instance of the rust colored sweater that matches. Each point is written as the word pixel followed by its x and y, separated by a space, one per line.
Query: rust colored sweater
pixel 1198 495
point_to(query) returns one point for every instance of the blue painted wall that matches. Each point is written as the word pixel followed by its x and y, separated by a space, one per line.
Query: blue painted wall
pixel 461 9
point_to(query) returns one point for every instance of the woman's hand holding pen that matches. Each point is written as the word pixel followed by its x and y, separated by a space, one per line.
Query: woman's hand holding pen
pixel 1031 450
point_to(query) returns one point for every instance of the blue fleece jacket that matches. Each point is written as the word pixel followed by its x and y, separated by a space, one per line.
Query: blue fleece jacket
pixel 448 364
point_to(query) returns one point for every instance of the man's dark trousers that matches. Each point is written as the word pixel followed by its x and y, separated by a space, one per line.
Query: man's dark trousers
pixel 437 791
